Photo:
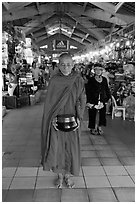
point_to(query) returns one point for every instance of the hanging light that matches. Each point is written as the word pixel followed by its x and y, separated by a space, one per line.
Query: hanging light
pixel 117 44
pixel 127 43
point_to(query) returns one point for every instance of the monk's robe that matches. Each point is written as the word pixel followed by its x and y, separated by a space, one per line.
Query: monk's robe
pixel 61 150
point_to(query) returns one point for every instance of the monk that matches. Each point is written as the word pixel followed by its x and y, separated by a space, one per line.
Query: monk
pixel 61 123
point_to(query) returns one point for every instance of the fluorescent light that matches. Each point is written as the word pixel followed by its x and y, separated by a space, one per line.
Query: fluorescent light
pixel 44 46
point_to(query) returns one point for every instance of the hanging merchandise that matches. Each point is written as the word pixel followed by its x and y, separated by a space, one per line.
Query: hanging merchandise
pixel 4 50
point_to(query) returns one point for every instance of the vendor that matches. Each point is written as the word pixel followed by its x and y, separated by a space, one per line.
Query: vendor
pixel 12 81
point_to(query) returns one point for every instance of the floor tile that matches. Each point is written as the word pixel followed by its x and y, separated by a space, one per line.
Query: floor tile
pixel 102 147
pixel 45 173
pixel 17 142
pixel 31 155
pixel 106 153
pixel 127 161
pixel 133 178
pixel 101 195
pixel 79 182
pixel 26 171
pixel 6 183
pixel 97 181
pixel 74 195
pixel 47 195
pixel 115 170
pixel 46 182
pixel 29 163
pixel 125 194
pixel 90 162
pixel 32 148
pixel 119 147
pixel 23 183
pixel 4 148
pixel 124 153
pixel 110 161
pixel 114 141
pixel 121 181
pixel 4 194
pixel 87 147
pixel 130 169
pixel 8 171
pixel 98 140
pixel 19 195
pixel 16 148
pixel 10 163
pixel 88 154
pixel 13 155
pixel 93 171
pixel 85 141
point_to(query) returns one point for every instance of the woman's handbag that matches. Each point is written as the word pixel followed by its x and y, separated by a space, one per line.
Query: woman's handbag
pixel 66 123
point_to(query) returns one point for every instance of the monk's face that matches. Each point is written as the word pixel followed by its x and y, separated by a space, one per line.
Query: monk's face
pixel 66 65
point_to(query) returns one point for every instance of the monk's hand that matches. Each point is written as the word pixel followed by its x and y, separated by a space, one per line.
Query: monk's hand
pixel 54 122
pixel 89 105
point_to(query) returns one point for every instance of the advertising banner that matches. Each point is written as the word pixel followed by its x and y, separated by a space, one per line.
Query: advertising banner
pixel 60 44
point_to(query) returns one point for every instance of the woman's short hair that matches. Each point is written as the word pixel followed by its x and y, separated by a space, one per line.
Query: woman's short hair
pixel 98 65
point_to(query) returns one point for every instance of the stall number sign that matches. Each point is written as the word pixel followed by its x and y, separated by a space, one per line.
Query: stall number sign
pixel 61 44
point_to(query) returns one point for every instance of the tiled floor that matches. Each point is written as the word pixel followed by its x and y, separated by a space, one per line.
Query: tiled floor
pixel 107 166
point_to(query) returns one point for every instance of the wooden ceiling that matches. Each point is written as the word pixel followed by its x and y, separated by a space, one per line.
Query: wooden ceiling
pixel 82 23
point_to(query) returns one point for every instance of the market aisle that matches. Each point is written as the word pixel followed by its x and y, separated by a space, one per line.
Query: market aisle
pixel 107 168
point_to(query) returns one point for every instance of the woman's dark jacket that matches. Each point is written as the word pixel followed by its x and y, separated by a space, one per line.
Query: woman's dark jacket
pixel 94 88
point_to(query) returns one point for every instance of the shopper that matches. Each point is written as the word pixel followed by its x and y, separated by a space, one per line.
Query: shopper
pixel 35 73
pixel 63 111
pixel 98 94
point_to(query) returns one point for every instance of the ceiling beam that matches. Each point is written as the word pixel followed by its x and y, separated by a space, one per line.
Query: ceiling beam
pixel 34 29
pixel 85 37
pixel 108 7
pixel 79 25
pixel 118 6
pixel 73 29
pixel 19 14
pixel 40 19
pixel 38 34
pixel 105 16
pixel 84 7
pixel 76 13
pixel 38 8
pixel 28 12
pixel 87 24
pixel 18 5
pixel 6 5
pixel 97 13
pixel 108 15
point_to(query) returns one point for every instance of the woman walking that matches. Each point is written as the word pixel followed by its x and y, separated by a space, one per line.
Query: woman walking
pixel 98 94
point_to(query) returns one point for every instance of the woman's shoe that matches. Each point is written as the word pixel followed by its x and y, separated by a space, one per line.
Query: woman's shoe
pixel 94 131
pixel 100 131
pixel 69 182
pixel 59 181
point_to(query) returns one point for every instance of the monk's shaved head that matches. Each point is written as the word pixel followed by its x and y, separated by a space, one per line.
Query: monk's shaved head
pixel 65 55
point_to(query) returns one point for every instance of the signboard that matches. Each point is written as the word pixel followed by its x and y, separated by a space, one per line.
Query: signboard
pixel 28 42
pixel 60 44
